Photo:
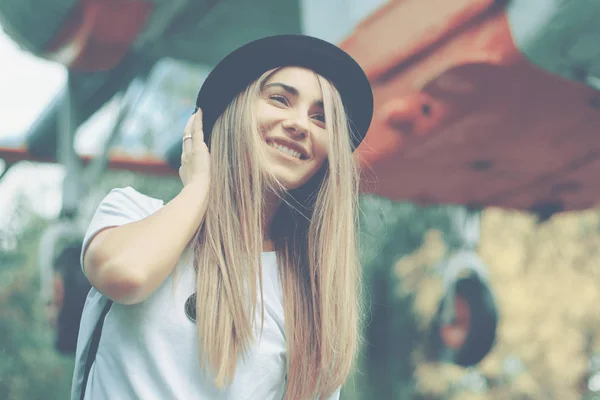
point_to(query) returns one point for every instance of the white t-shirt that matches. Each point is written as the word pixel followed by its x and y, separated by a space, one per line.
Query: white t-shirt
pixel 149 350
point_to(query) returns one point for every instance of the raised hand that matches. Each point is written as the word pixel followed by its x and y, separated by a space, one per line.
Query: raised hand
pixel 195 157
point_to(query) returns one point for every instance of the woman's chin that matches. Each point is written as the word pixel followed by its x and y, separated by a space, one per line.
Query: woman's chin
pixel 287 178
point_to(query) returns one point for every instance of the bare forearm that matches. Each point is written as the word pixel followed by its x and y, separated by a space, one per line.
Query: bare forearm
pixel 129 262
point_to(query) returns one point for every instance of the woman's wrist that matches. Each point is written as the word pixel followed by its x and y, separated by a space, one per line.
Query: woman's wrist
pixel 196 197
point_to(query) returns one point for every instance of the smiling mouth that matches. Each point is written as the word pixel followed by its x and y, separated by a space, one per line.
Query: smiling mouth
pixel 286 150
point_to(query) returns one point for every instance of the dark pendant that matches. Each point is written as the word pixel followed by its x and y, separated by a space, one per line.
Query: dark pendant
pixel 190 308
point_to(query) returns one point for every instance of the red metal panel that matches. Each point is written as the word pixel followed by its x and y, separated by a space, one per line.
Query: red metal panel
pixel 98 33
pixel 462 117
pixel 145 165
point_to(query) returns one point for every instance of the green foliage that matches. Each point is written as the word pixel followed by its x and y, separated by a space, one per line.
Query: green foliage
pixel 30 368
pixel 390 231
pixel 544 278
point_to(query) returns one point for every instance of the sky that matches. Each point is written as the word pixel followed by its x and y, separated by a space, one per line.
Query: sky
pixel 27 84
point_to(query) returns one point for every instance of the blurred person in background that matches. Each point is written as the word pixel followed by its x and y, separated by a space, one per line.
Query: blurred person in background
pixel 70 290
pixel 263 228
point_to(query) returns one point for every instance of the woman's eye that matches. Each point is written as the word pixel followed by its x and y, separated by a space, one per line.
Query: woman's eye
pixel 319 117
pixel 279 98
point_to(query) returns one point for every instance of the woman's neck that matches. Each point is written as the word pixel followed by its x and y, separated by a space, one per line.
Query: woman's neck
pixel 271 204
pixel 268 245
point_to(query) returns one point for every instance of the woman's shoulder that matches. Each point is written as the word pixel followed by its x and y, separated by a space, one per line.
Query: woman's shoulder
pixel 130 194
pixel 131 200
pixel 121 206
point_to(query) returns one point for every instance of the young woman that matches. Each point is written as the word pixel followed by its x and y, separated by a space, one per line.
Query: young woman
pixel 245 285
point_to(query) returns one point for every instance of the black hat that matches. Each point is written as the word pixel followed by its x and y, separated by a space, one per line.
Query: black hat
pixel 246 64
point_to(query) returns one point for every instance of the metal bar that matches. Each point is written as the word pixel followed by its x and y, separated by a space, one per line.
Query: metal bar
pixel 98 165
pixel 144 165
pixel 66 154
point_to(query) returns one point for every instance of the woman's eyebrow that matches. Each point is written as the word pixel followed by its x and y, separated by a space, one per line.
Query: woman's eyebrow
pixel 291 90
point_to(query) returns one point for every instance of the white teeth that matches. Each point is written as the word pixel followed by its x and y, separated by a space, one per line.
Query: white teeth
pixel 286 150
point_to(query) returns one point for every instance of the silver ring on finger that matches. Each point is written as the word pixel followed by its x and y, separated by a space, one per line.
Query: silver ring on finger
pixel 187 137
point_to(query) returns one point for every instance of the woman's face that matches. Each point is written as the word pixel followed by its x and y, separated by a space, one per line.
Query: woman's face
pixel 292 122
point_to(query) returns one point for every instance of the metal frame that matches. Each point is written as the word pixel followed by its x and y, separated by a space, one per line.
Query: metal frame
pixel 78 179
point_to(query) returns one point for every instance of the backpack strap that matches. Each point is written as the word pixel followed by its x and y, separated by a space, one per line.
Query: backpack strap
pixel 91 356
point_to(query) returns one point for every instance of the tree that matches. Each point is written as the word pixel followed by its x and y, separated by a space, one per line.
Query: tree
pixel 390 231
pixel 30 366
pixel 545 277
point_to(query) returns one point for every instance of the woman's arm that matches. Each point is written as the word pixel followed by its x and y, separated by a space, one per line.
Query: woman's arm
pixel 128 262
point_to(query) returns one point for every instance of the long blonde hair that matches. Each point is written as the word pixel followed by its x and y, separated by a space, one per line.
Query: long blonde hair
pixel 314 232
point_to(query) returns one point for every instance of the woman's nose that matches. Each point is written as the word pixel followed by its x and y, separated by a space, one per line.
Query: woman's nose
pixel 297 126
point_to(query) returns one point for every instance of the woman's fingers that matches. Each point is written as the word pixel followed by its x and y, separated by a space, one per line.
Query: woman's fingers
pixel 188 136
pixel 194 154
pixel 197 126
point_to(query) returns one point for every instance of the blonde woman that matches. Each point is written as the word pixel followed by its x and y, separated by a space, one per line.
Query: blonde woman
pixel 245 285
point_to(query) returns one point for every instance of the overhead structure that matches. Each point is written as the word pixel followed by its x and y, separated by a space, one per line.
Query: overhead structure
pixel 484 103
pixel 105 44
pixel 478 102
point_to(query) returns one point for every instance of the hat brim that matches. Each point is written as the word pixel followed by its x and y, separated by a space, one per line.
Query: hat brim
pixel 246 64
